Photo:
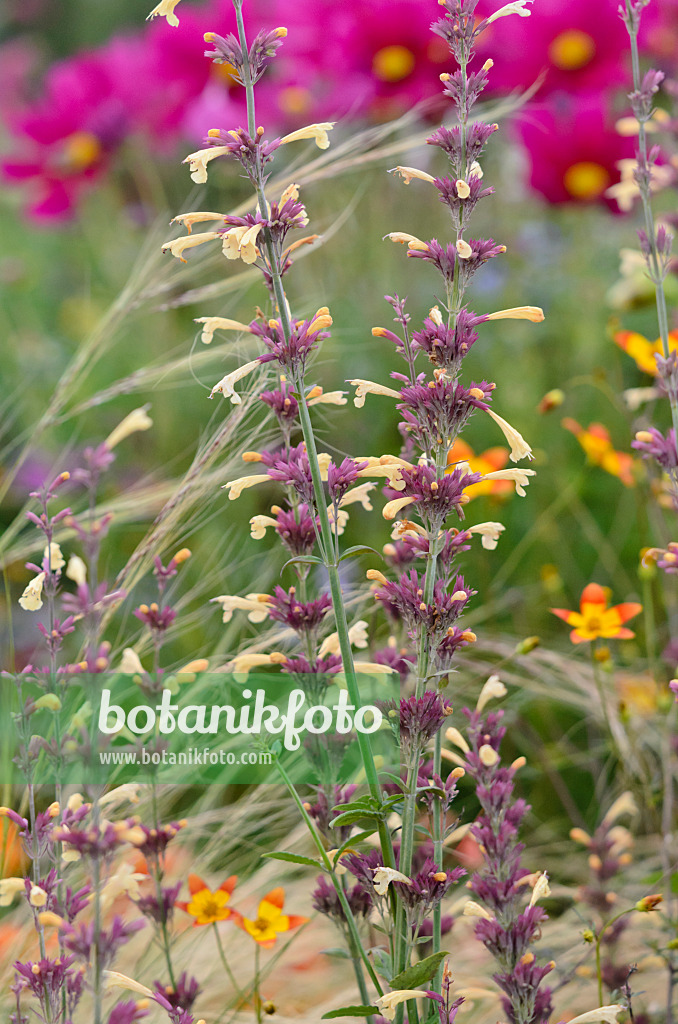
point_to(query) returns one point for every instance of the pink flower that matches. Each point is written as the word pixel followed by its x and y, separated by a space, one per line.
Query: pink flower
pixel 578 44
pixel 572 146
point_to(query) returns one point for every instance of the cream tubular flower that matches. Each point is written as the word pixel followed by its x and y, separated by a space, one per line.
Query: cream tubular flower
pixel 247 249
pixel 624 804
pixel 454 736
pixel 178 245
pixel 520 449
pixel 31 599
pixel 411 241
pixel 199 160
pixel 130 664
pixel 136 420
pixel 463 188
pixel 311 131
pixel 54 557
pixel 406 528
pixel 464 250
pixel 243 663
pixel 236 487
pixel 384 876
pixel 255 604
pixel 368 387
pixel 515 7
pixel 187 220
pixel 9 888
pixel 373 668
pixel 603 1015
pixel 113 979
pixel 360 494
pixel 319 397
pixel 473 909
pixel 219 323
pixel 540 889
pixel 493 689
pixel 489 533
pixel 408 173
pixel 533 313
pixel 519 477
pixel 225 385
pixel 488 755
pixel 76 570
pixel 357 636
pixel 165 9
pixel 259 525
pixel 391 508
pixel 387 1003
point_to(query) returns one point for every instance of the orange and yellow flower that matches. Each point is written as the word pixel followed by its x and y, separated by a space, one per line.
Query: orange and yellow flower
pixel 205 905
pixel 487 462
pixel 595 620
pixel 270 920
pixel 597 443
pixel 643 351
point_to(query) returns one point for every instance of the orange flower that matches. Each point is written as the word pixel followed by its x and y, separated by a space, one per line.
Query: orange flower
pixel 643 351
pixel 270 920
pixel 597 443
pixel 595 620
pixel 489 461
pixel 205 905
pixel 13 860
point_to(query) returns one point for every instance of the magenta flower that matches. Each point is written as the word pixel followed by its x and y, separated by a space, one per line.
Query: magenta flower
pixel 577 46
pixel 573 146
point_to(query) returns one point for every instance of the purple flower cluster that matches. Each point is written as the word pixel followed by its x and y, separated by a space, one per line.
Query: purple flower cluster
pixel 510 928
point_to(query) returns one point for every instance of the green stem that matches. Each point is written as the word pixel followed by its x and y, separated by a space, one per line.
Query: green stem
pixel 329 867
pixel 257 993
pixel 599 937
pixel 224 960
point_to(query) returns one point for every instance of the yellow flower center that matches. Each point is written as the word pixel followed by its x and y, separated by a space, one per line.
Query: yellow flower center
pixel 586 180
pixel 207 907
pixel 393 63
pixel 79 151
pixel 572 49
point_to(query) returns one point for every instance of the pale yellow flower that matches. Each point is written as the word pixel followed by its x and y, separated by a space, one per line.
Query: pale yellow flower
pixel 243 663
pixel 256 605
pixel 540 889
pixel 130 664
pixel 391 1000
pixel 9 888
pixel 49 701
pixel 515 7
pixel 219 323
pixel 411 241
pixel 240 243
pixel 454 736
pixel 533 313
pixel 493 689
pixel 178 245
pixel 488 532
pixel 368 387
pixel 473 909
pixel 464 250
pixel 199 160
pixel 136 420
pixel 624 804
pixel 384 876
pixel 488 755
pixel 391 508
pixel 317 396
pixel 259 525
pixel 519 477
pixel 165 9
pixel 359 494
pixel 408 173
pixel 236 487
pixel 318 132
pixel 76 570
pixel 113 979
pixel 357 635
pixel 54 557
pixel 31 599
pixel 463 188
pixel 603 1015
pixel 199 217
pixel 226 385
pixel 520 449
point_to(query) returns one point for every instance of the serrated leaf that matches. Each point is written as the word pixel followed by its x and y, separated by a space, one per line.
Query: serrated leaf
pixel 415 976
pixel 351 1011
pixel 302 560
pixel 359 548
pixel 293 858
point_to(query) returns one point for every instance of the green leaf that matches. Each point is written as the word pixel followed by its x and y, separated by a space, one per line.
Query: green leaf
pixel 358 548
pixel 415 976
pixel 353 817
pixel 382 962
pixel 351 1011
pixel 352 840
pixel 337 952
pixel 302 560
pixel 293 858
